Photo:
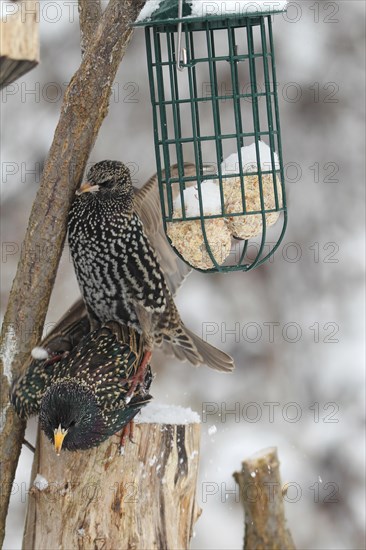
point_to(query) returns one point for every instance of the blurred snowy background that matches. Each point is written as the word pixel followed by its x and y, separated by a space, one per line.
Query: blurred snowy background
pixel 295 325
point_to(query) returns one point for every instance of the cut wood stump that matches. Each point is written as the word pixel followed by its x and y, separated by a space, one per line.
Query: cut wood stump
pixel 261 495
pixel 143 499
pixel 19 46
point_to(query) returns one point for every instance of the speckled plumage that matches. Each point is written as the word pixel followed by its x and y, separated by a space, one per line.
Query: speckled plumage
pixel 115 265
pixel 118 270
pixel 85 390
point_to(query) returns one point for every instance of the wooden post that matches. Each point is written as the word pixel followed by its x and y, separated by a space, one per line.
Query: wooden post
pixel 261 495
pixel 19 47
pixel 143 499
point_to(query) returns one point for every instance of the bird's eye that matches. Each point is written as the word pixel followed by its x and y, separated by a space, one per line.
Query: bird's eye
pixel 72 423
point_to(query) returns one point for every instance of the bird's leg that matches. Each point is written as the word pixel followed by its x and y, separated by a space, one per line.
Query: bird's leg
pixel 55 358
pixel 145 319
pixel 127 432
pixel 139 377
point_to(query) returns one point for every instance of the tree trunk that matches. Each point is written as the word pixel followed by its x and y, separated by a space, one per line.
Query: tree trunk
pixel 143 499
pixel 261 495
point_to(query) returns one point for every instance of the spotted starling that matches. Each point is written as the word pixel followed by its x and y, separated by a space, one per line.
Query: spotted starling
pixel 81 393
pixel 118 270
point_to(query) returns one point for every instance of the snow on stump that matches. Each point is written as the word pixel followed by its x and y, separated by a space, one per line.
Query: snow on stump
pixel 261 495
pixel 142 499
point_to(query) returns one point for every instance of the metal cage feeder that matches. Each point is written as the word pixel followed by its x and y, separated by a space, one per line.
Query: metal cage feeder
pixel 234 199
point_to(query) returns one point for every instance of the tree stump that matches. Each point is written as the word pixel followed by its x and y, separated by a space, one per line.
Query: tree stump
pixel 143 499
pixel 19 50
pixel 261 494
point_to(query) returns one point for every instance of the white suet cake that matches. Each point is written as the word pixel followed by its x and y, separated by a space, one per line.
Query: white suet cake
pixel 187 236
pixel 250 225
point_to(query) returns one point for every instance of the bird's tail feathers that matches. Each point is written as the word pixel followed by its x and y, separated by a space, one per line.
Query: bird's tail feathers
pixel 188 346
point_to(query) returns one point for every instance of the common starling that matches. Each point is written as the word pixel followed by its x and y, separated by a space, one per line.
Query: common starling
pixel 118 269
pixel 81 395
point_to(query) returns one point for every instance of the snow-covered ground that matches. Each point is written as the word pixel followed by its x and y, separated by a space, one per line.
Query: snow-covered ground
pixel 295 326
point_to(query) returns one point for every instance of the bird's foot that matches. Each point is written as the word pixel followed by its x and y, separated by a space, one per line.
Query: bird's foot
pixel 127 432
pixel 139 377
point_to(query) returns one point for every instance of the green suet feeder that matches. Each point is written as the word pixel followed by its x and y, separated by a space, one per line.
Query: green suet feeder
pixel 213 90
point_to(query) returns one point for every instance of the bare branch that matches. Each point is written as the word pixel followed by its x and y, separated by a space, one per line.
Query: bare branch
pixel 85 105
pixel 90 12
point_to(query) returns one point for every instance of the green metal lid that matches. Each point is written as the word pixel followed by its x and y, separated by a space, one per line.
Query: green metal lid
pixel 167 12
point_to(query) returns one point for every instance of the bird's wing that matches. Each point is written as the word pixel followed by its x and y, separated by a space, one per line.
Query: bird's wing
pixel 186 345
pixel 28 390
pixel 119 409
pixel 147 206
pixel 67 333
pixel 105 359
pixel 201 353
pixel 99 353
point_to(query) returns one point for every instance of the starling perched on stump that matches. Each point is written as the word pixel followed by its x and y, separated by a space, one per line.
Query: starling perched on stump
pixel 81 396
pixel 118 269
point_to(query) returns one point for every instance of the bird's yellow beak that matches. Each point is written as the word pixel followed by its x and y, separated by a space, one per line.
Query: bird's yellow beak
pixel 59 436
pixel 87 188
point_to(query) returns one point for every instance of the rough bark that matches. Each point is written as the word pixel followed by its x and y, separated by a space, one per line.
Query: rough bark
pixel 19 48
pixel 85 105
pixel 261 494
pixel 89 16
pixel 143 500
